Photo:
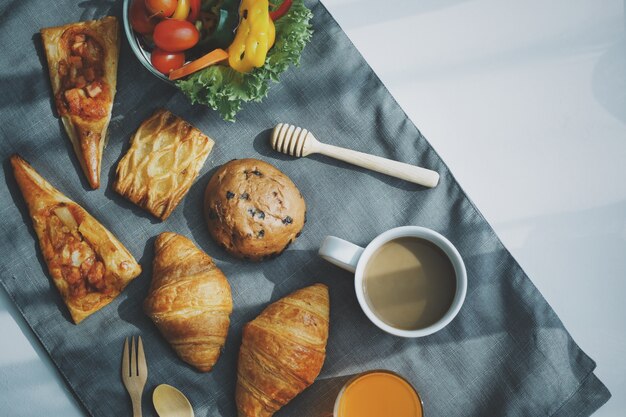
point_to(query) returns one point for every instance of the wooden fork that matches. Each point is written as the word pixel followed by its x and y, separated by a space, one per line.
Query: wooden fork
pixel 134 372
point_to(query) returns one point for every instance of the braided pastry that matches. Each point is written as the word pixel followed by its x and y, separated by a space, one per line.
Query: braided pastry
pixel 164 159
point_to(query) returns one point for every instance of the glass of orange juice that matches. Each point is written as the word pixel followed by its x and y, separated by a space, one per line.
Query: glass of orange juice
pixel 378 393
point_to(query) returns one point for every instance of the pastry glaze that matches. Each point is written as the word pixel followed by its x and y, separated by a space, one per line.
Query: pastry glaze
pixel 57 219
pixel 164 159
pixel 282 351
pixel 87 133
pixel 189 301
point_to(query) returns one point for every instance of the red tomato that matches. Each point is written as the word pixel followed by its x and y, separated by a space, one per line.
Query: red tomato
pixel 175 35
pixel 139 19
pixel 165 61
pixel 163 8
pixel 194 13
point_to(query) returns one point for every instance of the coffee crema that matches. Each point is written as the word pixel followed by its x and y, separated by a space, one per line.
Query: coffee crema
pixel 409 283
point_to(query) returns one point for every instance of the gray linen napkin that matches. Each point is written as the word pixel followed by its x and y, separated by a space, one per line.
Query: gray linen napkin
pixel 506 354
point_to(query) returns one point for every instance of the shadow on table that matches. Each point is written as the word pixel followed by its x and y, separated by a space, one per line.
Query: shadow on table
pixel 193 205
pixel 95 9
pixel 319 397
pixel 32 85
pixel 609 80
pixel 131 309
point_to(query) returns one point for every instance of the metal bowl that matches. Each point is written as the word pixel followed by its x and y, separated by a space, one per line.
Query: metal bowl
pixel 138 46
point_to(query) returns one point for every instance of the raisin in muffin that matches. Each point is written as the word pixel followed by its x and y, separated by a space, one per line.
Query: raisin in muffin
pixel 253 210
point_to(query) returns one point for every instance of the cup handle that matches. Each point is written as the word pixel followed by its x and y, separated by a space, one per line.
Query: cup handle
pixel 340 252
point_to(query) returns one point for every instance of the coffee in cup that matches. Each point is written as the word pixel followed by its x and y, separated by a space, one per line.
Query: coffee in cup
pixel 410 281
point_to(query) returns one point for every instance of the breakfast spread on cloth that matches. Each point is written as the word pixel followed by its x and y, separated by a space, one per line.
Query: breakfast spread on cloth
pixel 410 281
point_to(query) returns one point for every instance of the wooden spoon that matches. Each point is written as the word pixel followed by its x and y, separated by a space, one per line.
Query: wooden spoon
pixel 170 402
pixel 295 141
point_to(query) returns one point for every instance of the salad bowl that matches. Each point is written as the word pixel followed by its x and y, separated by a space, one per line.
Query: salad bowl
pixel 217 56
pixel 139 47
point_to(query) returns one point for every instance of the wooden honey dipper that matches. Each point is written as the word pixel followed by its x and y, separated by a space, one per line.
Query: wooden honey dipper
pixel 298 142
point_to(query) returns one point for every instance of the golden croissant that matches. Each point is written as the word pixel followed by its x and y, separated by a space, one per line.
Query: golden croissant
pixel 282 351
pixel 189 301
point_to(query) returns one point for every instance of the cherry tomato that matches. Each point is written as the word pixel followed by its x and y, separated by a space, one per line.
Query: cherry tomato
pixel 175 35
pixel 165 61
pixel 139 19
pixel 162 8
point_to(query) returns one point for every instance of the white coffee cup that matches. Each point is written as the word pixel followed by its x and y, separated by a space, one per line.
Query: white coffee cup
pixel 354 258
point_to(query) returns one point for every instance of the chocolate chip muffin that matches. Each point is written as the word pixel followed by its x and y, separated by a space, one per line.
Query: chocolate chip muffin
pixel 253 210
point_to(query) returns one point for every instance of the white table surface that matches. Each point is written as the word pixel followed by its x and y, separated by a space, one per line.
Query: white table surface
pixel 526 102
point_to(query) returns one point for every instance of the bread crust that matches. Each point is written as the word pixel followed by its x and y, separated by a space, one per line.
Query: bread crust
pixel 87 134
pixel 253 210
pixel 282 351
pixel 57 234
pixel 164 159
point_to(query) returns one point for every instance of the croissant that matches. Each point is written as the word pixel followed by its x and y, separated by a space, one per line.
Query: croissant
pixel 189 301
pixel 282 351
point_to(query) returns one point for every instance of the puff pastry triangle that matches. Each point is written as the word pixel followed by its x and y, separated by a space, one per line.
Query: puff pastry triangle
pixel 88 265
pixel 82 62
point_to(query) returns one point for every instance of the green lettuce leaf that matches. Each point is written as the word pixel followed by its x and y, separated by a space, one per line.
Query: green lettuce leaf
pixel 225 90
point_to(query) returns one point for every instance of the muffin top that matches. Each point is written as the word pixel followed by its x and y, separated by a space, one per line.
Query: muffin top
pixel 253 210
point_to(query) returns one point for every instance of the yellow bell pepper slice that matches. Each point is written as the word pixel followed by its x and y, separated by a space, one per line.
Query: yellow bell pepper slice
pixel 255 36
pixel 272 34
pixel 182 10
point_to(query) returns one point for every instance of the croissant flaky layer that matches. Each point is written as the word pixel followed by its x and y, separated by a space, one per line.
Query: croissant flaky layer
pixel 190 301
pixel 282 351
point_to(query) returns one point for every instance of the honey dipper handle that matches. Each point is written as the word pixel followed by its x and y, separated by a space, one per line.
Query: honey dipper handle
pixel 407 172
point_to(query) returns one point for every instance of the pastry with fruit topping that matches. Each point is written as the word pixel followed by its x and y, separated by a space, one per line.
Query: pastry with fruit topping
pixel 164 159
pixel 88 265
pixel 82 62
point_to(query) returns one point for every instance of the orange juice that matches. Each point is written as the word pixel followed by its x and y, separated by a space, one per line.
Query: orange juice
pixel 378 394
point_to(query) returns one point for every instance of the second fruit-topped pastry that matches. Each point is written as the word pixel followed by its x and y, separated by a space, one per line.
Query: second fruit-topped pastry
pixel 189 300
pixel 253 210
pixel 82 62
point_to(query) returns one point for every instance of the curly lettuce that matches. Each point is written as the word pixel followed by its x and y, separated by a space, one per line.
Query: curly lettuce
pixel 225 90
